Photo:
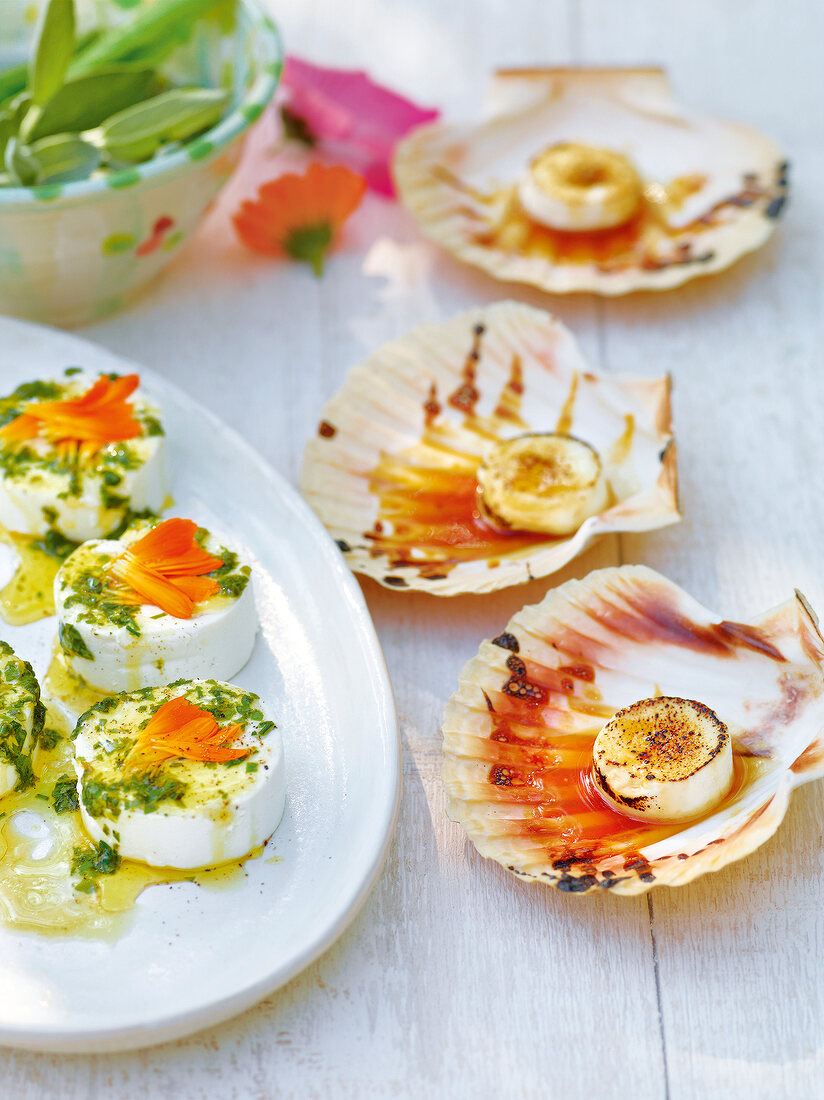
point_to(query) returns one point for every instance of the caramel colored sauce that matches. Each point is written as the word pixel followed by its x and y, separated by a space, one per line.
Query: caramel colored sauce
pixel 428 513
pixel 675 194
pixel 516 232
pixel 428 498
pixel 434 516
pixel 29 595
pixel 623 444
pixel 640 242
pixel 548 771
pixel 564 424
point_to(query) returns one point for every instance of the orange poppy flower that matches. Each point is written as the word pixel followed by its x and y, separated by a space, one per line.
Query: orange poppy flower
pixel 300 216
pixel 166 568
pixel 101 415
pixel 181 729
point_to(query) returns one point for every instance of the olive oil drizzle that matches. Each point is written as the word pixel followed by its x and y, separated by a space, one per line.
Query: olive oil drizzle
pixel 29 595
pixel 37 846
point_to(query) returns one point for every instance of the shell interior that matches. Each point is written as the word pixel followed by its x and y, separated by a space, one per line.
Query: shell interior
pixel 518 732
pixel 392 471
pixel 712 189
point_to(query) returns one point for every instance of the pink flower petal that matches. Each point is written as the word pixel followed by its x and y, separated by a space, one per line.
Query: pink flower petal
pixel 351 116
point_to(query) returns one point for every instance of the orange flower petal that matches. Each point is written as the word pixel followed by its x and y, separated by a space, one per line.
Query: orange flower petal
pixel 166 568
pixel 171 549
pixel 181 729
pixel 152 587
pixel 197 588
pixel 100 415
pixel 326 195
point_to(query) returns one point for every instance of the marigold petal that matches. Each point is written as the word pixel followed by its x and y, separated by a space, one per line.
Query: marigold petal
pixel 325 195
pixel 257 235
pixel 121 388
pixel 100 415
pixel 181 729
pixel 197 588
pixel 170 548
pixel 20 429
pixel 152 587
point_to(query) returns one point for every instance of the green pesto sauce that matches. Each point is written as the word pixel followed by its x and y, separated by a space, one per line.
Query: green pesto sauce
pixel 20 709
pixel 233 579
pixel 89 863
pixel 64 795
pixel 71 642
pixel 106 792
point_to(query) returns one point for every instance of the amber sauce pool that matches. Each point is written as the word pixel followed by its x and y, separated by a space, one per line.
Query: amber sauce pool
pixel 434 517
pixel 622 245
pixel 549 772
pixel 428 513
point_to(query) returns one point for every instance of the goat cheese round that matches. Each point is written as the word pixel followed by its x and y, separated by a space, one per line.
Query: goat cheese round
pixel 178 811
pixel 121 646
pixel 21 720
pixel 48 485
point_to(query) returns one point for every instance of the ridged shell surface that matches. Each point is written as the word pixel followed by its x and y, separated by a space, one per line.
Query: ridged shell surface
pixel 392 470
pixel 518 732
pixel 712 189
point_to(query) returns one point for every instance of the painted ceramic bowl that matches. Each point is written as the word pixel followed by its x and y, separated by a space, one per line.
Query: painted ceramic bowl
pixel 71 253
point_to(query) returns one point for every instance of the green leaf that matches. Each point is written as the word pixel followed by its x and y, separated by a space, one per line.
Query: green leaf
pixel 137 133
pixel 16 77
pixel 20 165
pixel 11 111
pixel 154 32
pixel 54 46
pixel 7 131
pixel 87 101
pixel 63 158
pixel 15 107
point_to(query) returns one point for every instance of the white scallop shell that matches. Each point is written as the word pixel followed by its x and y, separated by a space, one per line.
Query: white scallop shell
pixel 458 179
pixel 382 411
pixel 636 635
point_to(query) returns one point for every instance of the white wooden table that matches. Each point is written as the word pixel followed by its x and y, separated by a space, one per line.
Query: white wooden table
pixel 456 980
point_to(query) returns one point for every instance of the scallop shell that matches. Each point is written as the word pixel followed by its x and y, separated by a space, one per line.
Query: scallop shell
pixel 516 732
pixel 391 472
pixel 713 189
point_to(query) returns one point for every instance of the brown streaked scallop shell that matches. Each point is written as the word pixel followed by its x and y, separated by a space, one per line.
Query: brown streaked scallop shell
pixel 392 471
pixel 518 732
pixel 713 189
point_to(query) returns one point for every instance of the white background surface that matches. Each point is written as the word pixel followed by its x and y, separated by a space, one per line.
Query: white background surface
pixel 456 980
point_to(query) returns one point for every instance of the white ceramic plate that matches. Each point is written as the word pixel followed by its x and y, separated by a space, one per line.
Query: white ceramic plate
pixel 195 956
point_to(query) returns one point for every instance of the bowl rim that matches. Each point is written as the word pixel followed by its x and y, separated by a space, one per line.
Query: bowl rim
pixel 247 110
